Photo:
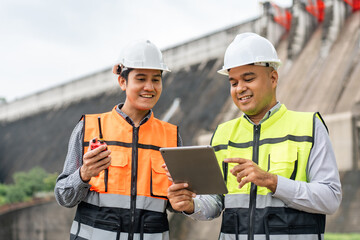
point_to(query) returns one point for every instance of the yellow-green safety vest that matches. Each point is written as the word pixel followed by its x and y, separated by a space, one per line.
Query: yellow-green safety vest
pixel 280 145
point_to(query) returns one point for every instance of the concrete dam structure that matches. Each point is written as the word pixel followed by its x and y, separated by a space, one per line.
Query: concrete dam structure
pixel 320 52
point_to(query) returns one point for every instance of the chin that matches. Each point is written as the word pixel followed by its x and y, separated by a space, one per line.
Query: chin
pixel 145 108
pixel 248 112
pixel 243 109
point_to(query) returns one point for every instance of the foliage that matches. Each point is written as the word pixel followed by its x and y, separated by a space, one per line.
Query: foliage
pixel 30 182
pixel 3 190
pixel 26 184
pixel 49 182
pixel 15 193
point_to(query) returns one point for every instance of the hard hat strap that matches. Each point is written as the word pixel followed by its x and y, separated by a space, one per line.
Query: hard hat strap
pixel 264 64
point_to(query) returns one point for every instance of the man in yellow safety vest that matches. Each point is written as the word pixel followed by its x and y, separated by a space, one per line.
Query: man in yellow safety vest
pixel 278 164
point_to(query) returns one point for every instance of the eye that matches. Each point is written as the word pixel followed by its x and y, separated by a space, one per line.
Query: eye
pixel 141 79
pixel 233 84
pixel 249 79
pixel 156 80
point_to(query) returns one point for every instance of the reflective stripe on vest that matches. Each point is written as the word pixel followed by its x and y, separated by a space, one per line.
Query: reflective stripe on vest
pixel 133 202
pixel 103 234
pixel 243 201
pixel 122 201
pixel 86 232
pixel 281 145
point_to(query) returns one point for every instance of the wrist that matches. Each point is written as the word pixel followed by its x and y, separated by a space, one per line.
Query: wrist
pixel 191 208
pixel 82 176
pixel 273 179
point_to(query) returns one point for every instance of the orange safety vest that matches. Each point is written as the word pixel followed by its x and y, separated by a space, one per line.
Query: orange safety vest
pixel 132 202
pixel 118 135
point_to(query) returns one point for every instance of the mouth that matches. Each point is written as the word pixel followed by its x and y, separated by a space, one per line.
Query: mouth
pixel 147 95
pixel 245 98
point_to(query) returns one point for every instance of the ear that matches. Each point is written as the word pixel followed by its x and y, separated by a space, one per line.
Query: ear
pixel 122 83
pixel 274 76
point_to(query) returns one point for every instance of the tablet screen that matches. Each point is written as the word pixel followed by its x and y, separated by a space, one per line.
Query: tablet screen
pixel 197 166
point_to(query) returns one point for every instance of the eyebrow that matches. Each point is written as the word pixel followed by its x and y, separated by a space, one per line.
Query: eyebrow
pixel 144 75
pixel 244 75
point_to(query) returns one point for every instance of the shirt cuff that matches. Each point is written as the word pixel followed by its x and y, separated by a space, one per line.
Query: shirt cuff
pixel 285 189
pixel 197 208
pixel 79 182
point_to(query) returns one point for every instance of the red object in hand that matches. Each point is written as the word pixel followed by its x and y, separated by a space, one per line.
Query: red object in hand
pixel 96 143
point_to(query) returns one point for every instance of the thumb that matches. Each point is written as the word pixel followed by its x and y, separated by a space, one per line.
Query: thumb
pixel 91 142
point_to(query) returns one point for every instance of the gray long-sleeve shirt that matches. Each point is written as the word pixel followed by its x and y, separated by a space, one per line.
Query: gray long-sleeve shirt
pixel 70 190
pixel 321 194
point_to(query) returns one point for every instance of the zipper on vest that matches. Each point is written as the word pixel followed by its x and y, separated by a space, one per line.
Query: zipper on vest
pixel 134 167
pixel 253 190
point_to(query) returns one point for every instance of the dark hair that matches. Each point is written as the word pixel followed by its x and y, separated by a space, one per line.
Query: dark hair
pixel 125 73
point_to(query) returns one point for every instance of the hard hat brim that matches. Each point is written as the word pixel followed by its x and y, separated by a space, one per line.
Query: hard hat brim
pixel 152 68
pixel 225 71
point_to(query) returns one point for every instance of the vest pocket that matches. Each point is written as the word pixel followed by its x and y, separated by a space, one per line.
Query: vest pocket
pixel 292 222
pixel 109 227
pixel 153 223
pixel 118 172
pixel 282 159
pixel 159 180
pixel 234 223
pixel 232 183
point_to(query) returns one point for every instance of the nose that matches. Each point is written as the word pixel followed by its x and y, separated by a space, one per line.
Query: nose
pixel 149 86
pixel 241 87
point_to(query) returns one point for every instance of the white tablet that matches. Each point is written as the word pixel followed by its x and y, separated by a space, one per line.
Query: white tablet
pixel 197 166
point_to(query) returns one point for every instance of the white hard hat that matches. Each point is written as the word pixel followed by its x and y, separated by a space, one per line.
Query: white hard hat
pixel 142 54
pixel 249 48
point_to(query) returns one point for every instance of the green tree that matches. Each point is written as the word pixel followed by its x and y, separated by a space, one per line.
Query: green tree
pixel 32 181
pixel 3 189
pixel 15 194
pixel 26 184
pixel 3 192
pixel 49 182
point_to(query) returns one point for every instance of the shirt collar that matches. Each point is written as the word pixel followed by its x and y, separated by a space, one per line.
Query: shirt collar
pixel 128 119
pixel 271 112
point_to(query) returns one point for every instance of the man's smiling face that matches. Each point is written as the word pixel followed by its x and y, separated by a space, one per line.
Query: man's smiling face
pixel 253 89
pixel 143 89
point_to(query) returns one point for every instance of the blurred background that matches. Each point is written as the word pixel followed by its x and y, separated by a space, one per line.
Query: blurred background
pixel 55 65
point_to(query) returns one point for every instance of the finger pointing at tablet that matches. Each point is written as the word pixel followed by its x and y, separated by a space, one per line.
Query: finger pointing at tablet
pixel 247 171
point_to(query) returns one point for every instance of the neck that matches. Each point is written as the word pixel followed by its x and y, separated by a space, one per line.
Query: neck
pixel 135 115
pixel 258 117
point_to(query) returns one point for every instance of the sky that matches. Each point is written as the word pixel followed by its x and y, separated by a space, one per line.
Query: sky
pixel 45 43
